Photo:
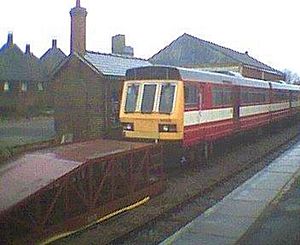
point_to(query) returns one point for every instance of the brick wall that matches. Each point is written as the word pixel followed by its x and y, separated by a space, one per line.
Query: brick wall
pixel 16 102
pixel 79 101
pixel 258 74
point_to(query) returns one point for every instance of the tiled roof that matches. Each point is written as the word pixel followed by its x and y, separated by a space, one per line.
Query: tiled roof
pixel 17 66
pixel 52 59
pixel 191 51
pixel 113 65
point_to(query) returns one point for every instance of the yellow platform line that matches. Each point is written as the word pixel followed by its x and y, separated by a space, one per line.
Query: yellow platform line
pixel 65 234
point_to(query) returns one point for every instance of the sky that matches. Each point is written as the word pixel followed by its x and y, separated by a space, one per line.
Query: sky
pixel 268 30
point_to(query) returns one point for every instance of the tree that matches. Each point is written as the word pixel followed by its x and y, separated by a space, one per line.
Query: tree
pixel 291 77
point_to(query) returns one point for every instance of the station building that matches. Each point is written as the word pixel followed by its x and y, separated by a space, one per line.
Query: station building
pixel 192 52
pixel 87 86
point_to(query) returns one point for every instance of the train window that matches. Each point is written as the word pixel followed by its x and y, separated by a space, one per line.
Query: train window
pixel 217 95
pixel 245 97
pixel 148 98
pixel 227 96
pixel 295 96
pixel 166 98
pixel 131 97
pixel 191 96
pixel 221 96
pixel 281 96
pixel 250 97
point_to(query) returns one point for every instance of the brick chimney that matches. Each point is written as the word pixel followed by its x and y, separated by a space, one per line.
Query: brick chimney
pixel 78 29
pixel 10 40
pixel 119 47
pixel 54 43
pixel 27 49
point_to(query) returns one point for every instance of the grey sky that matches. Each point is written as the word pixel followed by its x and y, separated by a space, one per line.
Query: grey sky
pixel 268 30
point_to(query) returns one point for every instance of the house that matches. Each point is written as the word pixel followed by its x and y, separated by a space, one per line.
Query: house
pixel 52 58
pixel 22 80
pixel 192 52
pixel 87 86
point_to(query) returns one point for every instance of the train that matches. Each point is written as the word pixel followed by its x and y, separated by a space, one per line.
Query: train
pixel 189 106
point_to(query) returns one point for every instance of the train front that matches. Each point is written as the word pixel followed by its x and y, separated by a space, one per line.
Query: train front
pixel 152 104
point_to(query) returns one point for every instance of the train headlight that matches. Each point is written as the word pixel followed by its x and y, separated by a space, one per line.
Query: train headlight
pixel 128 126
pixel 167 128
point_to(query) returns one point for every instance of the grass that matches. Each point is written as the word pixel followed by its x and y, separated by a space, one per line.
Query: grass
pixel 297 182
pixel 5 152
pixel 15 135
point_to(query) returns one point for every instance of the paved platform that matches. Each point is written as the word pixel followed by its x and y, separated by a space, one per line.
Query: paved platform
pixel 230 219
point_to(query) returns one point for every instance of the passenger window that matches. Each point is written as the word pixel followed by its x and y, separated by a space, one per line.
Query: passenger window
pixel 191 96
pixel 221 96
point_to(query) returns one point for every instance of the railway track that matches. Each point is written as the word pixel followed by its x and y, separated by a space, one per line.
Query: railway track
pixel 190 192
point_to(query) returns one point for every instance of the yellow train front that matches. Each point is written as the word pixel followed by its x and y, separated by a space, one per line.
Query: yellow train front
pixel 191 106
pixel 151 106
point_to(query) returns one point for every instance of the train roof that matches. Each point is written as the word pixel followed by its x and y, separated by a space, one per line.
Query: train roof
pixel 286 86
pixel 186 74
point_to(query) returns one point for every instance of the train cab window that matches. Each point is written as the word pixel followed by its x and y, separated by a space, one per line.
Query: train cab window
pixel 191 96
pixel 166 98
pixel 131 97
pixel 148 98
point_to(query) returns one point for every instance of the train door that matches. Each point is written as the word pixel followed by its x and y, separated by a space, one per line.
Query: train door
pixel 236 97
pixel 200 97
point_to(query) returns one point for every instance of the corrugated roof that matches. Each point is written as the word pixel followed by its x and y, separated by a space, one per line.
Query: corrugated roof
pixel 188 50
pixel 113 65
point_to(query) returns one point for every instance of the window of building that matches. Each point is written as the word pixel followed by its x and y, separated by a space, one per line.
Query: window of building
pixel 191 96
pixel 24 86
pixel 6 87
pixel 40 87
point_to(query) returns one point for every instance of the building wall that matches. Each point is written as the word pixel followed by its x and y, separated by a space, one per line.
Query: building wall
pixel 19 103
pixel 80 101
pixel 273 77
pixel 258 74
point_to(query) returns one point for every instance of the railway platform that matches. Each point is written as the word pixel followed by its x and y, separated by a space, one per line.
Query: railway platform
pixel 58 190
pixel 230 220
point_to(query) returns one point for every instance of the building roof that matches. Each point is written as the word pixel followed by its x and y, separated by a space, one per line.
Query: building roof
pixel 52 58
pixel 112 64
pixel 17 66
pixel 190 51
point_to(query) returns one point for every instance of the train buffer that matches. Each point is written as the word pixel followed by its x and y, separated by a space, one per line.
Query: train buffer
pixel 58 190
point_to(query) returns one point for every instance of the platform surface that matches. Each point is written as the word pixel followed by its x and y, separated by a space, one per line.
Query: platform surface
pixel 229 220
pixel 30 172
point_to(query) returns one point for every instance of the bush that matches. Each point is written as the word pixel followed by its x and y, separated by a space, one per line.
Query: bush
pixel 5 153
